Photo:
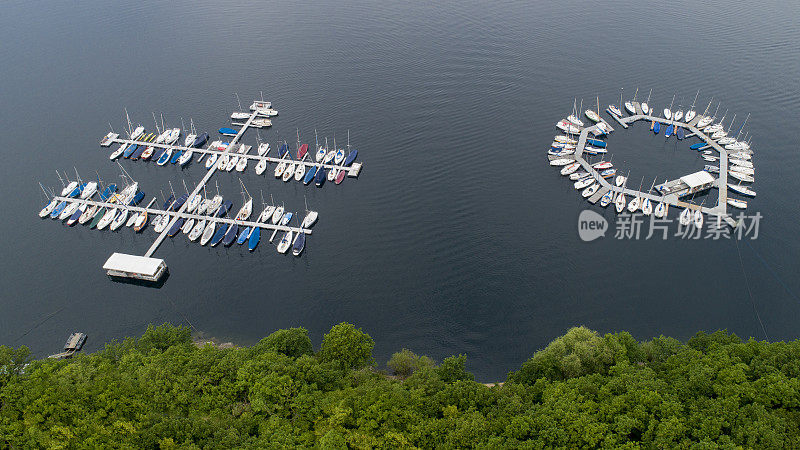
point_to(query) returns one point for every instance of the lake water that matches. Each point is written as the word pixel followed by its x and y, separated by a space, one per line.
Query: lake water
pixel 457 237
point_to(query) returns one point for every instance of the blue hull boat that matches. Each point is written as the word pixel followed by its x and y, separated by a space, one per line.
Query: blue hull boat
pixel 164 158
pixel 224 208
pixel 351 157
pixel 299 244
pixel 680 133
pixel 244 235
pixel 255 236
pixel 138 152
pixel 176 227
pixel 219 234
pixel 283 150
pixel 136 199
pixel 157 153
pixel 230 235
pixel 200 140
pixel 668 133
pixel 698 146
pixel 179 202
pixel 129 151
pixel 597 143
pixel 319 178
pixel 57 210
pixel 657 127
pixel 228 132
pixel 107 192
pixel 310 175
pixel 168 203
pixel 176 156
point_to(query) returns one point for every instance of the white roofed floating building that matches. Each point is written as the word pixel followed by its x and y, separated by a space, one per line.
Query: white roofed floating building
pixel 698 181
pixel 137 267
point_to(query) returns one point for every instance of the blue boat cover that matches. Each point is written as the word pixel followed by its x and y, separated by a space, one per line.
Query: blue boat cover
pixel 351 157
pixel 255 236
pixel 200 140
pixel 176 156
pixel 698 146
pixel 244 235
pixel 229 131
pixel 108 191
pixel 680 133
pixel 310 175
pixel 319 178
pixel 657 127
pixel 219 234
pixel 300 242
pixel 597 143
pixel 230 235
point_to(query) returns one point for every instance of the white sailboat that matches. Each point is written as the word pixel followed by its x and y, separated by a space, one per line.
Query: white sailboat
pixel 261 166
pixel 197 230
pixel 686 217
pixel 208 233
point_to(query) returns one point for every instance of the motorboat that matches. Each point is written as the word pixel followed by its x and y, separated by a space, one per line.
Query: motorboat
pixel 742 169
pixel 48 208
pixel 579 175
pixel 698 218
pixel 743 190
pixel 230 234
pixel 661 210
pixel 736 162
pixel 589 191
pixel 312 170
pixel 572 118
pixel 602 165
pixel 255 237
pixel 647 206
pixel 571 168
pixel 241 165
pixel 310 219
pixel 607 198
pixel 137 132
pixel 208 233
pixel 244 235
pixel 261 166
pixel 584 183
pixel 266 214
pixel 188 226
pixel 619 203
pixel 285 242
pixel 634 204
pixel 299 244
pixel 276 215
pixel 279 169
pixel 321 152
pixel 219 234
pixel 245 210
pixel 630 108
pixel 212 158
pixel 319 178
pixel 736 203
pixel 240 116
pixel 686 217
pixel 261 123
pixel 197 230
pixel 288 172
pixel 556 162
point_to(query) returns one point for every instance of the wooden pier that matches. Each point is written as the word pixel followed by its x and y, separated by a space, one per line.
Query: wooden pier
pixel 672 199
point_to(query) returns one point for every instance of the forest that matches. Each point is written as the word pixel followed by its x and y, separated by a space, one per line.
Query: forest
pixel 583 390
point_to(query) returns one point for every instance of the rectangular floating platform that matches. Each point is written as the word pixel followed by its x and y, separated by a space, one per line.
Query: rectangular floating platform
pixel 599 194
pixel 136 267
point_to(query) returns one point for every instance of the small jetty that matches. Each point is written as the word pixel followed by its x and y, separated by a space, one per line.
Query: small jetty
pixel 74 344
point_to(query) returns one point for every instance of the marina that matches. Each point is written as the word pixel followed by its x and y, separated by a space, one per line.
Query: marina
pixel 595 186
pixel 178 214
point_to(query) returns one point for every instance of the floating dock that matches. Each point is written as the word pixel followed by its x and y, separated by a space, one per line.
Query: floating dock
pixel 136 267
pixel 74 343
pixel 671 191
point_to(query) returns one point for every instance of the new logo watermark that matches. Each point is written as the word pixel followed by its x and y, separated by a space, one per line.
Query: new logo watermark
pixel 591 225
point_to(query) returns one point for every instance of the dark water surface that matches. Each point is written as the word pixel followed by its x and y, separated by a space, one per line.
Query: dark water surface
pixel 457 238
